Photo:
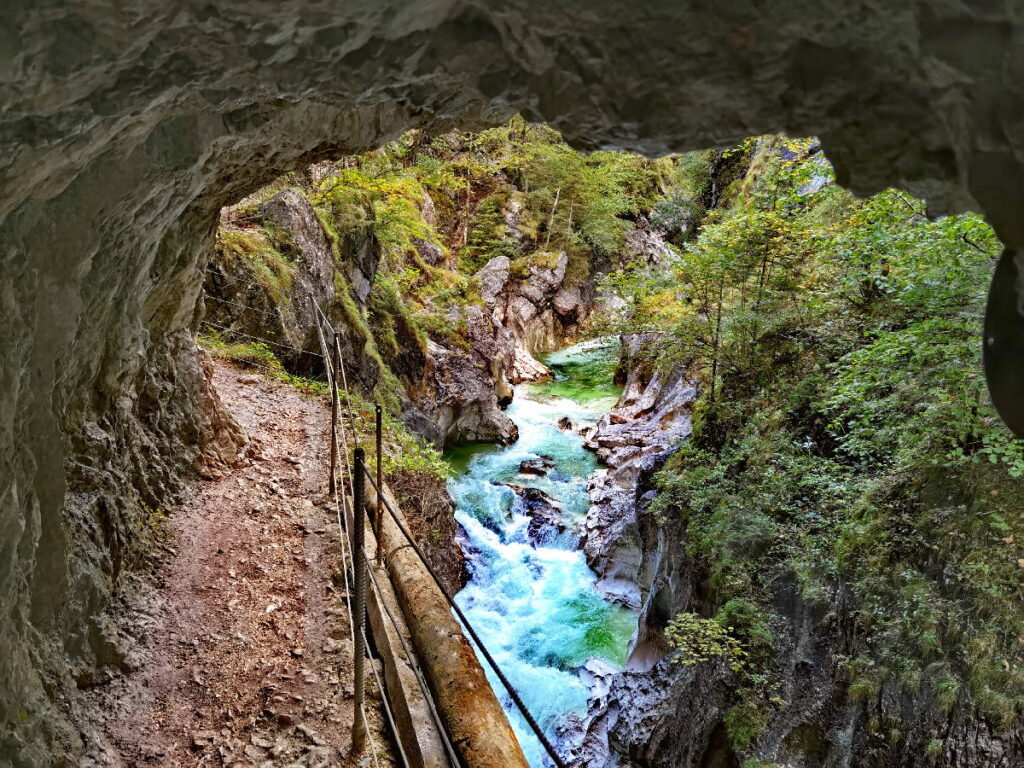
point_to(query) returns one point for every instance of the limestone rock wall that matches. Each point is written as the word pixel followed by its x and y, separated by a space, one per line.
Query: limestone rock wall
pixel 650 419
pixel 126 127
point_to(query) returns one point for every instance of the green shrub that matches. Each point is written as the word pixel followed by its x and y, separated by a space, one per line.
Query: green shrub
pixel 697 640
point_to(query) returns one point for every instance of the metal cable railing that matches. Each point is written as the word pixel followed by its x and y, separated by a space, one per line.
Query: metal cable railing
pixel 342 505
pixel 341 498
pixel 232 331
pixel 242 306
pixel 381 601
pixel 334 369
pixel 513 693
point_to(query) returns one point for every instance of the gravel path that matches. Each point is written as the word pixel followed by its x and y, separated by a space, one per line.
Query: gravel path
pixel 242 655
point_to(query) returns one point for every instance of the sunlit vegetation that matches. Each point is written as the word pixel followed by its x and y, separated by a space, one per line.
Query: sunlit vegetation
pixel 843 442
pixel 258 254
pixel 843 434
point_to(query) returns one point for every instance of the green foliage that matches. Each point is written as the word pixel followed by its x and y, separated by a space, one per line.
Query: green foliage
pixel 410 453
pixel 682 208
pixel 487 236
pixel 259 358
pixel 697 640
pixel 253 354
pixel 745 722
pixel 843 433
pixel 254 254
pixel 386 204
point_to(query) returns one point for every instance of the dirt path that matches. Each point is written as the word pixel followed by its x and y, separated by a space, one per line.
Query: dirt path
pixel 243 655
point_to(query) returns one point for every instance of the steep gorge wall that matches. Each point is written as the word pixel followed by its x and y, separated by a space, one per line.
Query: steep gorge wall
pixel 126 130
pixel 663 714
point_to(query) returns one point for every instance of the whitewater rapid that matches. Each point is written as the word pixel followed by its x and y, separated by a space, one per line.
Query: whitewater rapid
pixel 536 607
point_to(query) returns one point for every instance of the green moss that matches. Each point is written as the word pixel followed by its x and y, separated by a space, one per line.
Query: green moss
pixel 251 253
pixel 259 358
pixel 327 224
pixel 251 354
pixel 934 748
pixel 745 722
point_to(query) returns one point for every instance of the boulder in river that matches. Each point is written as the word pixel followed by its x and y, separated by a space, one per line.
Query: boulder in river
pixel 539 466
pixel 545 513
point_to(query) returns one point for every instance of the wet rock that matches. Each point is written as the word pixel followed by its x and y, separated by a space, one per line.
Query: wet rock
pixel 544 523
pixel 466 407
pixel 545 513
pixel 565 423
pixel 539 466
pixel 650 419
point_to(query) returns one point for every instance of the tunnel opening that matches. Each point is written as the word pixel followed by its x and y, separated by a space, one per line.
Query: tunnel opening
pixel 708 245
pixel 399 244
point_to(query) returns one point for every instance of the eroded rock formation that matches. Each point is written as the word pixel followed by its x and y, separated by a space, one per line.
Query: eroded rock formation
pixel 650 419
pixel 126 129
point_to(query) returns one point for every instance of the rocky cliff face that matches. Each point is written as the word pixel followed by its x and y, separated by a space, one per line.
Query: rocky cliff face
pixel 451 394
pixel 540 309
pixel 651 417
pixel 661 714
pixel 664 715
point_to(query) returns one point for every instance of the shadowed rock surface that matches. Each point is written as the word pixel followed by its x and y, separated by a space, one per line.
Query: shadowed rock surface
pixel 126 129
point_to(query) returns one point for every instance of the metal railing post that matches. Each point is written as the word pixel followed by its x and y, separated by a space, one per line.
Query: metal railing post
pixel 332 485
pixel 359 607
pixel 379 517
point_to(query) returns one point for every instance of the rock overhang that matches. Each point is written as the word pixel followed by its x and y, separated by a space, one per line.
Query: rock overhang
pixel 125 128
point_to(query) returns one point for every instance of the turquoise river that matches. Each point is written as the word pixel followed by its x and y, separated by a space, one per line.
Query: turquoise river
pixel 535 604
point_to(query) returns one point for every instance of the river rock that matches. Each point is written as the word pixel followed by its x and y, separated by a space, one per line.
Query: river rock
pixel 539 466
pixel 545 513
pixel 650 419
pixel 540 310
pixel 466 407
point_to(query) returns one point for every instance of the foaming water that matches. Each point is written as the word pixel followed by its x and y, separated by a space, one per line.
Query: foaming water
pixel 534 604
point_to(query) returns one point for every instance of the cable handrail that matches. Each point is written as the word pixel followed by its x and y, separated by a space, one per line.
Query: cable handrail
pixel 260 339
pixel 233 280
pixel 424 688
pixel 342 507
pixel 513 693
pixel 241 306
